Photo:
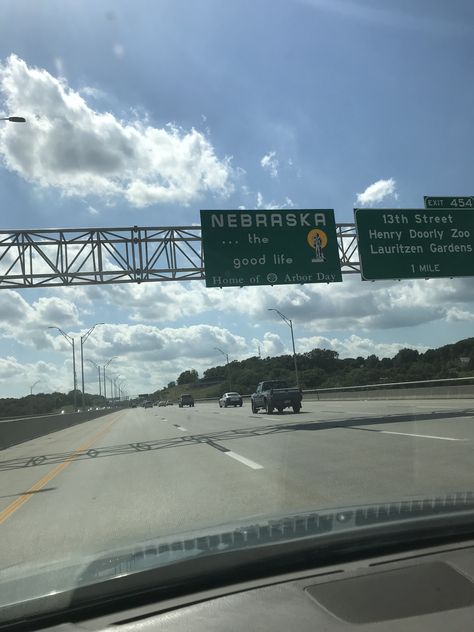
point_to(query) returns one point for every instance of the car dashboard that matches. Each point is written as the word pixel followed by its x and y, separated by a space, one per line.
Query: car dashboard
pixel 425 589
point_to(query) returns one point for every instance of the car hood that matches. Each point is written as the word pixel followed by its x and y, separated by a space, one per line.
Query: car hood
pixel 30 583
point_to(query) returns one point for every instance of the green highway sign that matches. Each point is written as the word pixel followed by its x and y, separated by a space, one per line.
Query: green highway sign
pixel 271 247
pixel 414 243
pixel 466 201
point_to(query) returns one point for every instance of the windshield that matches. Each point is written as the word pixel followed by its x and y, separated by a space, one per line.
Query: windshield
pixel 203 197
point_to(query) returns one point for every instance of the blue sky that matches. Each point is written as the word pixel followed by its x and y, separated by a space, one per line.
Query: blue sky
pixel 145 112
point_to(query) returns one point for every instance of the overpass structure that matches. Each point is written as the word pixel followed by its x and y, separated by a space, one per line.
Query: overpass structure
pixel 137 254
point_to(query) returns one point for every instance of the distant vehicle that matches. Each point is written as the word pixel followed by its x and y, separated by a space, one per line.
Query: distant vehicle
pixel 230 399
pixel 169 402
pixel 186 400
pixel 162 403
pixel 273 394
pixel 148 405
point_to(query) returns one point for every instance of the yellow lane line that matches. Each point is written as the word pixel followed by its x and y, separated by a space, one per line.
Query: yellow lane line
pixel 21 500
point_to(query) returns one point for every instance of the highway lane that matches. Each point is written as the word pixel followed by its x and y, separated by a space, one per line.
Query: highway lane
pixel 139 473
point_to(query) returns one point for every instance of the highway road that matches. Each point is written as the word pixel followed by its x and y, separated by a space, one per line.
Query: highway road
pixel 140 473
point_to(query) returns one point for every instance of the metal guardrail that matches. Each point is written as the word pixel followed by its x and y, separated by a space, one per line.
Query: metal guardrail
pixel 394 385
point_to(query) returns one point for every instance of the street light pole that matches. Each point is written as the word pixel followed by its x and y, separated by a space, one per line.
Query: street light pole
pixel 105 382
pixel 118 384
pixel 70 339
pixel 289 322
pixel 122 392
pixel 83 339
pixel 33 385
pixel 226 356
pixel 98 369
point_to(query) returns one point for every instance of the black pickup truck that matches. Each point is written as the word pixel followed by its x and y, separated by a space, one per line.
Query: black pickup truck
pixel 275 394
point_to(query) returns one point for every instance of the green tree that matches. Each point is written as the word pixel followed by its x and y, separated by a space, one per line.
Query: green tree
pixel 188 377
pixel 405 357
pixel 312 378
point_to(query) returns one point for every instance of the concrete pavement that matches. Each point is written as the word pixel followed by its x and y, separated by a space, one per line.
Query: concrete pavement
pixel 137 474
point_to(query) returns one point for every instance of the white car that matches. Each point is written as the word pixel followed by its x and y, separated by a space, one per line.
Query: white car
pixel 230 399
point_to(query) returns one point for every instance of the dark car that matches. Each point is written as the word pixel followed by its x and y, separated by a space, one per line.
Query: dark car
pixel 186 400
pixel 230 399
pixel 273 394
pixel 148 405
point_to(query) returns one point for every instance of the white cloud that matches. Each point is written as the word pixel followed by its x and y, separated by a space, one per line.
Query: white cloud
pixel 270 163
pixel 351 305
pixel 159 302
pixel 70 146
pixel 261 203
pixel 150 357
pixel 288 203
pixel 271 345
pixel 19 377
pixel 95 93
pixel 172 344
pixel 455 314
pixel 355 346
pixel 92 210
pixel 28 323
pixel 377 191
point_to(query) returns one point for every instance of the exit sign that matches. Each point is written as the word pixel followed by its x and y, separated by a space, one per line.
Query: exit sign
pixel 466 201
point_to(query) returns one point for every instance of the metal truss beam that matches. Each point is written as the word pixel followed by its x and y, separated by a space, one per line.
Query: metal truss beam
pixel 138 254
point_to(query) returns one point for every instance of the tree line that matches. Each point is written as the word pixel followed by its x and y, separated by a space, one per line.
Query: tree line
pixel 323 368
pixel 45 403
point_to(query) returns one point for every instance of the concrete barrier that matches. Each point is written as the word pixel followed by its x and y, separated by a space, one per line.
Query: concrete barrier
pixel 19 430
pixel 447 388
pixel 464 391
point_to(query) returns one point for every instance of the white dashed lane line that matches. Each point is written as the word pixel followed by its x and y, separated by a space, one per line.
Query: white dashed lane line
pixel 180 428
pixel 244 460
pixel 233 455
pixel 420 436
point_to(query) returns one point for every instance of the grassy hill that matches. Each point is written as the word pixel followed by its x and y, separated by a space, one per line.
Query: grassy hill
pixel 197 390
pixel 322 368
